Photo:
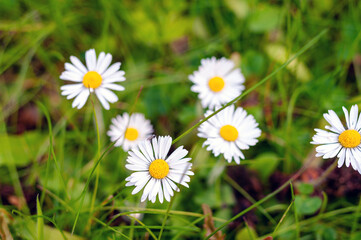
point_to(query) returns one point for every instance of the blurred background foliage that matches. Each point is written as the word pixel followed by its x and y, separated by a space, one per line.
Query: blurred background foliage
pixel 159 44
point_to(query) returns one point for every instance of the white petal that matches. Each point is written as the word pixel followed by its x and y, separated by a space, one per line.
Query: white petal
pixel 73 93
pixel 334 121
pixel 178 154
pixel 99 61
pixel 102 99
pixel 148 188
pixel 113 86
pixel 71 87
pixel 80 100
pixel 115 77
pixel 141 184
pixel 71 68
pixel 134 167
pixel 111 70
pixel 153 193
pixel 71 76
pixel 353 116
pixel 160 193
pixel 341 157
pixel 108 95
pixel 167 190
pixel 105 64
pixel 347 157
pixel 155 148
pixel 77 63
pixel 91 59
pixel 172 185
pixel 164 147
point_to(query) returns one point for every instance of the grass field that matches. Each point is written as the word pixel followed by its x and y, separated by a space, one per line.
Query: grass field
pixel 62 178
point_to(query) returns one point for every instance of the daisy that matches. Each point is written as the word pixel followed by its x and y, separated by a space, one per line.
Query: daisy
pixel 97 76
pixel 229 132
pixel 154 171
pixel 217 82
pixel 128 131
pixel 345 143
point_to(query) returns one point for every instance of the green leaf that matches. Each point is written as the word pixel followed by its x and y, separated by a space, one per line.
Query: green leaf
pixel 156 101
pixel 305 188
pixel 287 235
pixel 208 196
pixel 307 205
pixel 265 18
pixel 329 233
pixel 23 148
pixel 178 25
pixel 147 31
pixel 215 197
pixel 246 234
pixel 253 63
pixel 187 114
pixel 265 159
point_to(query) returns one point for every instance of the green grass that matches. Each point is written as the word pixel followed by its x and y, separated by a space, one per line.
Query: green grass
pixel 64 156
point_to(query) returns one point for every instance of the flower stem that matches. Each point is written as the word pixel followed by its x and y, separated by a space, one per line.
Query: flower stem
pixel 96 167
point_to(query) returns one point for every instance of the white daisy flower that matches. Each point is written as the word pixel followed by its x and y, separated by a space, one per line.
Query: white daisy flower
pixel 345 143
pixel 154 171
pixel 128 132
pixel 97 76
pixel 229 132
pixel 217 82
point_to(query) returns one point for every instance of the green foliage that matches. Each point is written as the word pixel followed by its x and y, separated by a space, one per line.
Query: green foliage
pixel 305 188
pixel 40 222
pixel 328 233
pixel 160 44
pixel 306 205
pixel 265 164
pixel 28 230
pixel 265 18
pixel 246 234
pixel 21 149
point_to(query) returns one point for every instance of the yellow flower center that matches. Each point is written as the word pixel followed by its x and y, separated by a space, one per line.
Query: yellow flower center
pixel 92 79
pixel 229 133
pixel 216 84
pixel 131 134
pixel 350 138
pixel 159 169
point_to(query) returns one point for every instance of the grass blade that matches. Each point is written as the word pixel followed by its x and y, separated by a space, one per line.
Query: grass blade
pixel 40 220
